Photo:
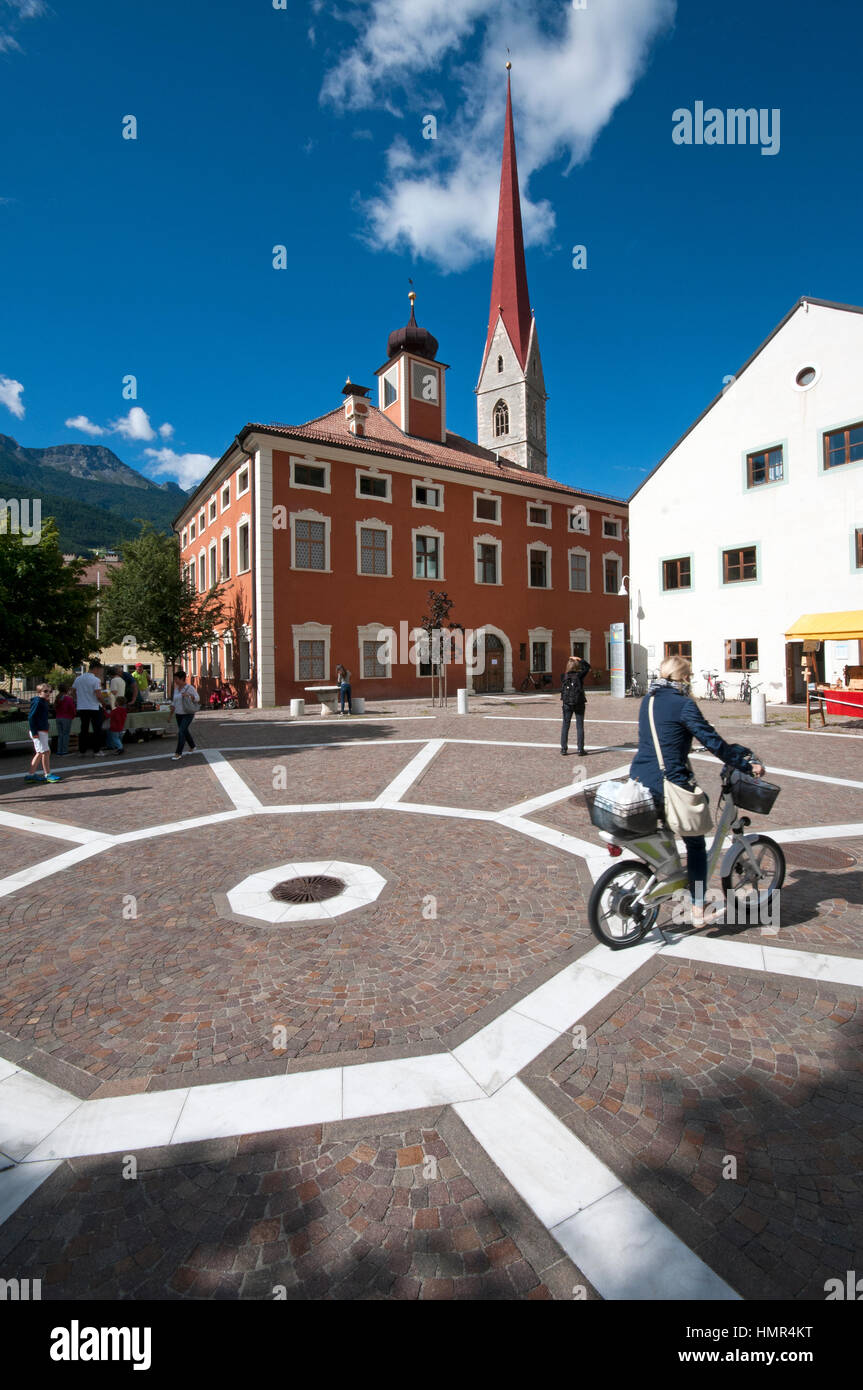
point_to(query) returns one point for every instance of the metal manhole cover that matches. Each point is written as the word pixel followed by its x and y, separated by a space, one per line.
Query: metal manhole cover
pixel 309 888
pixel 819 857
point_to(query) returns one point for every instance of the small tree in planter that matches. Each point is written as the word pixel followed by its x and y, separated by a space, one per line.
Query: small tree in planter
pixel 434 623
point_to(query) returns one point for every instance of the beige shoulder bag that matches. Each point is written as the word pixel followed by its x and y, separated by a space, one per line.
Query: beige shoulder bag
pixel 686 812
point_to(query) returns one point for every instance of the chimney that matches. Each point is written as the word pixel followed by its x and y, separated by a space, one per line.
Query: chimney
pixel 356 406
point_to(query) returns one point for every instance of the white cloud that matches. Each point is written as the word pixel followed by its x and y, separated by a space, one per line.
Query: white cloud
pixel 135 425
pixel 22 9
pixel 166 430
pixel 188 469
pixel 10 396
pixel 571 69
pixel 80 422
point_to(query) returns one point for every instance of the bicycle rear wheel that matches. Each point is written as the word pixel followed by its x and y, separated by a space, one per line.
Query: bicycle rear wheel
pixel 615 919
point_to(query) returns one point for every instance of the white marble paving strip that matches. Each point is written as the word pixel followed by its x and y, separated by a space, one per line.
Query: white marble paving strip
pixel 30 1109
pixel 793 772
pixel 299 744
pixel 553 719
pixel 19 1183
pixel 7 1069
pixel 234 786
pixel 36 872
pixel 409 774
pixel 570 843
pixel 459 812
pixel 251 1107
pixel 628 1253
pixel 819 733
pixel 814 965
pixel 152 832
pixel 560 1179
pixel 52 829
pixel 310 807
pixel 816 832
pixel 539 803
pixel 409 1083
pixel 501 1049
pixel 570 994
pixel 119 1123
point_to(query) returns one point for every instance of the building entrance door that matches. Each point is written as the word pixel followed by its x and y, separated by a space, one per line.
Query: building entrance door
pixel 795 687
pixel 490 680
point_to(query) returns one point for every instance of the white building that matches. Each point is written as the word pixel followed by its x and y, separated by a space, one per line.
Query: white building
pixel 755 517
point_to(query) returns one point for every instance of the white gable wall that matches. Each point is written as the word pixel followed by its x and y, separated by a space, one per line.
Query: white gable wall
pixel 697 504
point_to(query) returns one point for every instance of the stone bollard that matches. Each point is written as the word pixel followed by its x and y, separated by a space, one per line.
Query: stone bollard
pixel 462 701
pixel 759 707
pixel 298 709
pixel 358 704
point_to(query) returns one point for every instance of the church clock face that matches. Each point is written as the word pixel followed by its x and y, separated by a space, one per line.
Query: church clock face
pixel 425 384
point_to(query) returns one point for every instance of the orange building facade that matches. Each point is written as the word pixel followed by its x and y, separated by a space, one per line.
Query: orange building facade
pixel 328 536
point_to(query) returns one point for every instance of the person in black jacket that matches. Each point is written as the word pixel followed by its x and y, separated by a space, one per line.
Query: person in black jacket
pixel 573 701
pixel 677 719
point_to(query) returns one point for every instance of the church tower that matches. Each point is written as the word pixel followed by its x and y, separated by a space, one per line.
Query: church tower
pixel 510 394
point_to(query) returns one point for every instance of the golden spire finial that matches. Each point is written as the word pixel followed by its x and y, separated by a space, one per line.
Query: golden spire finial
pixel 508 65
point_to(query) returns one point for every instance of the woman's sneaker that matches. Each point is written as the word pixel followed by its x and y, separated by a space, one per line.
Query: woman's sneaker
pixel 52 777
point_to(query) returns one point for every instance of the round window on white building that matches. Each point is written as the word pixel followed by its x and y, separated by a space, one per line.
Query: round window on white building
pixel 807 376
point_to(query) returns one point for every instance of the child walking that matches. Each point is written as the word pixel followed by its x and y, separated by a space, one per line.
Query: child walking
pixel 116 725
pixel 64 713
pixel 39 722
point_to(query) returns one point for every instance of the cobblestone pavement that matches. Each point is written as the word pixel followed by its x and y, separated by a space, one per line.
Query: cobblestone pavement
pixel 129 981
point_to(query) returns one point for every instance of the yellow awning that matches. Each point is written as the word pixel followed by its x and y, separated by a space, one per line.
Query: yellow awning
pixel 826 627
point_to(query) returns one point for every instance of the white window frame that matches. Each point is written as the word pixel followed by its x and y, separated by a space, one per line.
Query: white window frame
pixel 440 537
pixel 488 496
pixel 213 562
pixel 310 515
pixel 184 539
pixel 539 634
pixel 245 520
pixel 323 464
pixel 226 532
pixel 428 367
pixel 496 541
pixel 368 632
pixel 202 521
pixel 214 504
pixel 580 634
pixel 540 545
pixel 247 469
pixel 612 555
pixel 546 506
pixel 618 521
pixel 577 550
pixel 312 632
pixel 192 532
pixel 374 523
pixel 223 505
pixel 429 483
pixel 202 556
pixel 379 477
pixel 391 376
pixel 578 530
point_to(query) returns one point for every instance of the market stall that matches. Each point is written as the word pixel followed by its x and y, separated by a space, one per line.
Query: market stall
pixel 844 697
pixel 144 724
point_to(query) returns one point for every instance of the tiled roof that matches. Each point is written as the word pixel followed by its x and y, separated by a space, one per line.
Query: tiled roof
pixel 385 438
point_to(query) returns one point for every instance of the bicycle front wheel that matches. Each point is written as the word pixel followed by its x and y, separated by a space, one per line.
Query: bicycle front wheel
pixel 720 690
pixel 753 873
pixel 615 918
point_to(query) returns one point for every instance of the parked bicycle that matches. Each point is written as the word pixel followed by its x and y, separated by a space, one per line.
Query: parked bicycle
pixel 223 697
pixel 715 687
pixel 746 689
pixel 636 687
pixel 536 680
pixel 626 899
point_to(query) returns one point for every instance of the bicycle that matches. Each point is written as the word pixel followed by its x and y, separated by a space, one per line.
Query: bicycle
pixel 715 688
pixel 635 686
pixel 746 689
pixel 625 902
pixel 530 681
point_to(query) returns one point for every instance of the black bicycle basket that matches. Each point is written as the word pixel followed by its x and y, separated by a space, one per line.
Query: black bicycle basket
pixel 605 815
pixel 752 793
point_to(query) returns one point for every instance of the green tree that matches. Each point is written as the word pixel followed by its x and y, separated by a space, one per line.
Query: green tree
pixel 46 614
pixel 150 601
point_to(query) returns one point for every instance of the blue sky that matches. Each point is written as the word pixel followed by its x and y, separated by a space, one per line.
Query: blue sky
pixel 303 126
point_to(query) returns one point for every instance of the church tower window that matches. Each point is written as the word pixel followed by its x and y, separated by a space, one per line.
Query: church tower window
pixel 501 419
pixel 500 364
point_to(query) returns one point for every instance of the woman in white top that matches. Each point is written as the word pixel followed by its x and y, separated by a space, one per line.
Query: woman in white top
pixel 186 702
pixel 343 676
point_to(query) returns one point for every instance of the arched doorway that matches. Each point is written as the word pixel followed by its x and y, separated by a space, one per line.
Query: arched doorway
pixel 496 673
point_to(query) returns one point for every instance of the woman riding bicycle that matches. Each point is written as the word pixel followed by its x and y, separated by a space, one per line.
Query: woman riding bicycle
pixel 678 718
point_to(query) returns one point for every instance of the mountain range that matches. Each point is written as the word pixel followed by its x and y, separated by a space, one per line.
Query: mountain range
pixel 95 498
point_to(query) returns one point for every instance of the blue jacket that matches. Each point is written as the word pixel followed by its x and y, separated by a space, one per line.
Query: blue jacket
pixel 677 718
pixel 39 718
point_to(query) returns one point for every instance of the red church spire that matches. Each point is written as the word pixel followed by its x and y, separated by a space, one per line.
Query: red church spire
pixel 509 295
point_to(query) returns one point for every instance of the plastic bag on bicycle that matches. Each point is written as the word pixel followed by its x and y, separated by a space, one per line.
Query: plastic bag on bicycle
pixel 622 809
